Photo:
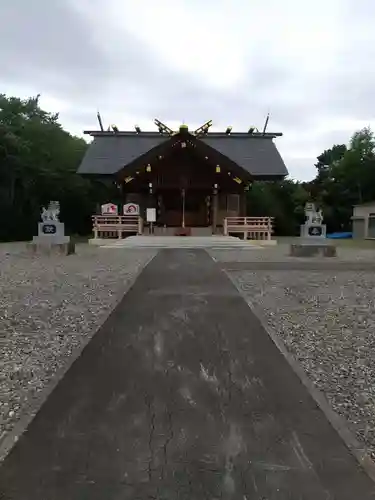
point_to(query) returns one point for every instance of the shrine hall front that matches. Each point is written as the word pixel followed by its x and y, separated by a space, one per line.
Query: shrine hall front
pixel 193 179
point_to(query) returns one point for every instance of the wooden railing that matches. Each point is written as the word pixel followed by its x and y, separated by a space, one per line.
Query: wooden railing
pixel 113 226
pixel 253 228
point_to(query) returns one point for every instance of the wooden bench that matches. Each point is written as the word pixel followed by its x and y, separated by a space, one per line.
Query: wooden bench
pixel 253 228
pixel 114 226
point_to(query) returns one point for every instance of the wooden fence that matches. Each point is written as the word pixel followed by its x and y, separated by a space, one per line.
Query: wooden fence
pixel 253 228
pixel 114 226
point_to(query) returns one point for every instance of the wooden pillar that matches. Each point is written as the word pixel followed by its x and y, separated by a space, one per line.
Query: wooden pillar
pixel 183 195
pixel 214 211
pixel 140 225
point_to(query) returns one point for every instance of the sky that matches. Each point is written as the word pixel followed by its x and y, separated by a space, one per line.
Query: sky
pixel 309 63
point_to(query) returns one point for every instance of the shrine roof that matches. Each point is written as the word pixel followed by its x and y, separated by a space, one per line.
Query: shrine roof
pixel 256 153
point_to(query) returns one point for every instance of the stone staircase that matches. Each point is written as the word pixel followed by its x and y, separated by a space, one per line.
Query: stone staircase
pixel 180 242
pixel 174 231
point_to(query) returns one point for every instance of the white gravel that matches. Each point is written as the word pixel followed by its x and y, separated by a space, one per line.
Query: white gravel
pixel 280 253
pixel 327 321
pixel 49 308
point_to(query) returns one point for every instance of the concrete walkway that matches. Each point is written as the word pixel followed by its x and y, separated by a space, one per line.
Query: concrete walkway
pixel 181 395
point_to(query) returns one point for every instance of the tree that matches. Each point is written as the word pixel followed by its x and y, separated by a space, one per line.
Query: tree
pixel 38 161
pixel 283 200
pixel 345 177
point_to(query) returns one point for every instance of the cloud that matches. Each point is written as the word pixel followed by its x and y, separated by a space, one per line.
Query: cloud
pixel 226 60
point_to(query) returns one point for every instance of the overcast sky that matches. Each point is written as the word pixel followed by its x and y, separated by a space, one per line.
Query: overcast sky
pixel 310 63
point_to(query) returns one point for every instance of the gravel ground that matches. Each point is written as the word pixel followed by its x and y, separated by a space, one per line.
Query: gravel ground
pixel 327 321
pixel 280 253
pixel 49 308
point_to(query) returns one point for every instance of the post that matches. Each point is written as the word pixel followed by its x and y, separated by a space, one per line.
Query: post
pixel 183 207
pixel 119 231
pixel 140 225
pixel 225 227
pixel 269 229
pixel 95 228
pixel 214 211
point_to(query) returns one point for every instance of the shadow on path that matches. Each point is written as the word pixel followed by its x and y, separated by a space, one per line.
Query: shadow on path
pixel 181 395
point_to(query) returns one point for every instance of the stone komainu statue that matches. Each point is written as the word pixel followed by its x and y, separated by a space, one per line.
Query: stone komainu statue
pixel 52 212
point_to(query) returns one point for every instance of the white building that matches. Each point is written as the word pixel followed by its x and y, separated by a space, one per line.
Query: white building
pixel 363 220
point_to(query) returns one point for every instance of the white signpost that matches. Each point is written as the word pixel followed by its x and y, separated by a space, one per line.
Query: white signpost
pixel 151 218
pixel 151 215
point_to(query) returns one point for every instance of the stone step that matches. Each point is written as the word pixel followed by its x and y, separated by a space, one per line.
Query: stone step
pixel 180 242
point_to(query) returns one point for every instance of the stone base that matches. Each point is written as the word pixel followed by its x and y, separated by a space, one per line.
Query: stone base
pixel 102 241
pixel 183 231
pixel 308 230
pixel 47 239
pixel 263 243
pixel 52 249
pixel 312 250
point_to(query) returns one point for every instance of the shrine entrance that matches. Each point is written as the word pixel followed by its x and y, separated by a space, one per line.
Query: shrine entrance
pixel 184 208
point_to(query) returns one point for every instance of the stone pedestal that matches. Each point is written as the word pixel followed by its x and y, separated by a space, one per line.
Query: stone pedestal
pixel 312 249
pixel 313 234
pixel 51 240
pixel 311 230
pixel 51 249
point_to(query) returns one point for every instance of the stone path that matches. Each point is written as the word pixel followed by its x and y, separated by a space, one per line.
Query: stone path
pixel 181 395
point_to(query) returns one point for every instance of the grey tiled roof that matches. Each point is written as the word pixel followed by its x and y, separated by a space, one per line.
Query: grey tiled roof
pixel 109 153
pixel 257 155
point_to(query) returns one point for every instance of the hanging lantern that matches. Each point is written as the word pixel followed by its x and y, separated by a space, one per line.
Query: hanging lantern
pixel 148 168
pixel 218 169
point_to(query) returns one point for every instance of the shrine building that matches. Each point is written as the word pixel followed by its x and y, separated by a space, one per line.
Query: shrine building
pixel 193 179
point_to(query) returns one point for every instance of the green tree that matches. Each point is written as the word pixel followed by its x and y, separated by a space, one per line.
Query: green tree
pixel 283 200
pixel 345 177
pixel 38 161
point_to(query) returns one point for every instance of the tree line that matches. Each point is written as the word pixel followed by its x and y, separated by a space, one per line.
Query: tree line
pixel 39 160
pixel 345 176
